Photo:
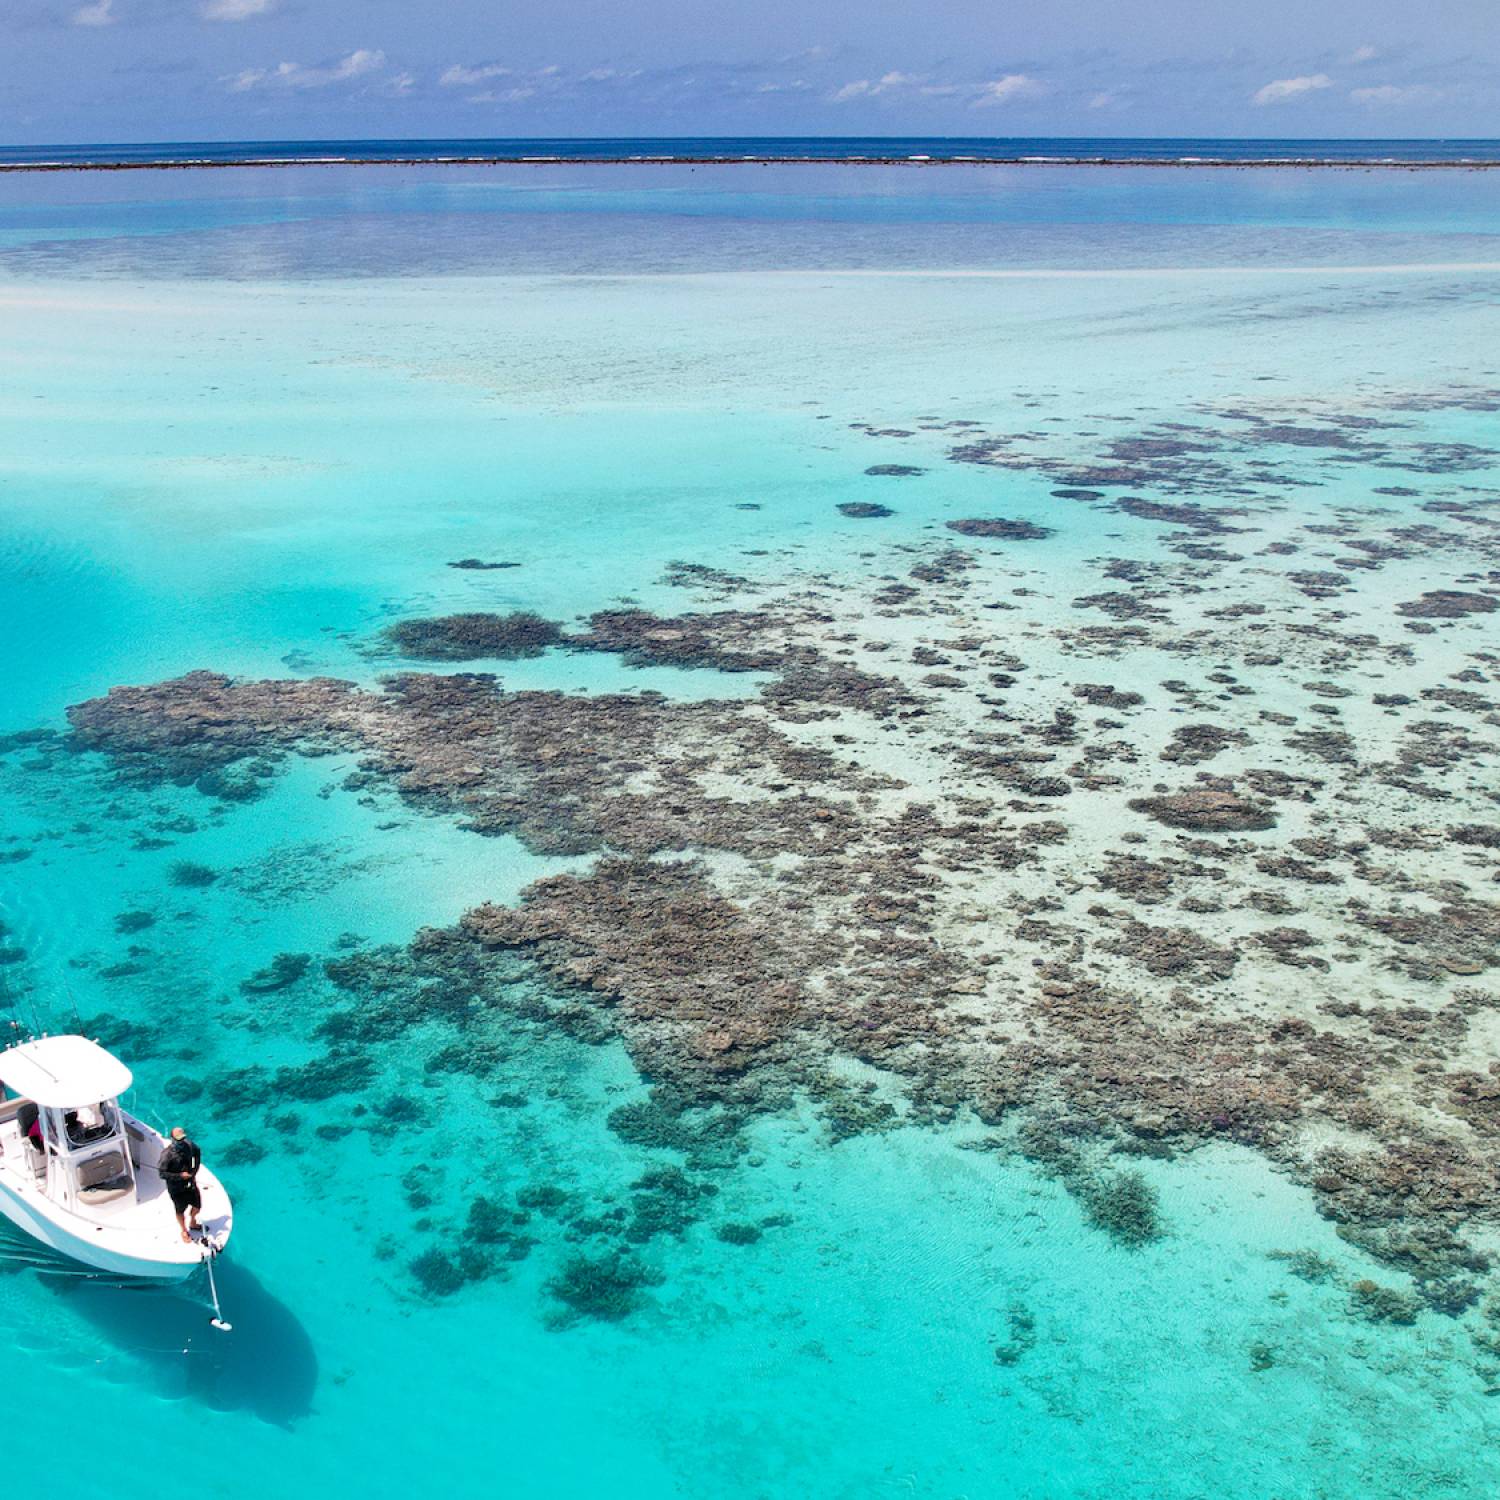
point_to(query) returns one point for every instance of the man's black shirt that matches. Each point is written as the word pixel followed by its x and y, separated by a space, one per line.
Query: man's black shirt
pixel 179 1157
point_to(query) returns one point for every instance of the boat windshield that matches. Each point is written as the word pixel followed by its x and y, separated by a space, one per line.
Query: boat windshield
pixel 91 1122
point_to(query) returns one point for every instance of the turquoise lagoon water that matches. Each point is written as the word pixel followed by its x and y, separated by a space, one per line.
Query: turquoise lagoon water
pixel 244 424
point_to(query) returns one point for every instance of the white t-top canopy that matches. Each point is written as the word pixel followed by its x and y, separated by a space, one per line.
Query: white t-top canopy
pixel 63 1072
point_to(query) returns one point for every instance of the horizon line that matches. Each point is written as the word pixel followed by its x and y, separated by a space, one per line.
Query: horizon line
pixel 785 136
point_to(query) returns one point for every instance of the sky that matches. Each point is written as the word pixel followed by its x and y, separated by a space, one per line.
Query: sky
pixel 160 70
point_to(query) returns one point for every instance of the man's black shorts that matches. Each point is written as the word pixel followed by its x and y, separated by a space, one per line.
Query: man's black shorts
pixel 185 1195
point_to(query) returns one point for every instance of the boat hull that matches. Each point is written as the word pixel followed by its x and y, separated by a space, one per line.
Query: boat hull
pixel 158 1257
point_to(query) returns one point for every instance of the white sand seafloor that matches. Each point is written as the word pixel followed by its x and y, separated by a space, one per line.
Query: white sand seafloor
pixel 257 473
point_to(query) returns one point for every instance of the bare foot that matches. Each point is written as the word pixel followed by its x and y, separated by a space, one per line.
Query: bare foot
pixel 187 1239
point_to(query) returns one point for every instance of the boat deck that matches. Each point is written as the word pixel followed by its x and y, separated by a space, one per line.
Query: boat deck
pixel 140 1223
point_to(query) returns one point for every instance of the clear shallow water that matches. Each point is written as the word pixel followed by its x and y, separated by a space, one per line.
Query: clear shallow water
pixel 216 450
pixel 339 224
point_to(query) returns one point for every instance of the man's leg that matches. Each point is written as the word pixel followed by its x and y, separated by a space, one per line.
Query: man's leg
pixel 182 1226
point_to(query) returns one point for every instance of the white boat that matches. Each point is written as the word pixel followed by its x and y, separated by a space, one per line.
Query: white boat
pixel 90 1188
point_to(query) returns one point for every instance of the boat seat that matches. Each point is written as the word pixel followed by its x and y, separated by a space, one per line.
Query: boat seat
pixel 107 1193
pixel 104 1178
pixel 26 1113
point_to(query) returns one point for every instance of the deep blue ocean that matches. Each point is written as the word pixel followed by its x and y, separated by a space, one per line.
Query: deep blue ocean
pixel 1185 149
pixel 248 420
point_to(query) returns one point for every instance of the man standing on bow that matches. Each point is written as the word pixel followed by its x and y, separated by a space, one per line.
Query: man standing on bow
pixel 179 1170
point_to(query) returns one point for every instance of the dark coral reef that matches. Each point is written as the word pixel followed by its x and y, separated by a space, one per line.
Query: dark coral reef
pixel 1210 855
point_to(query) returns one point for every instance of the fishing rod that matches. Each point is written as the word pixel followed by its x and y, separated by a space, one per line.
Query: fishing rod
pixel 13 999
pixel 18 1023
pixel 72 1000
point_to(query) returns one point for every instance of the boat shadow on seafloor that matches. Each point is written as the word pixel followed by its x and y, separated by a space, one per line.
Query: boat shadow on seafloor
pixel 267 1366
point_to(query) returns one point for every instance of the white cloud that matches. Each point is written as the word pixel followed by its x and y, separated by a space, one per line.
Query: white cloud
pixel 1282 89
pixel 866 87
pixel 459 76
pixel 100 13
pixel 504 96
pixel 996 91
pixel 235 10
pixel 1012 86
pixel 296 76
pixel 1105 99
pixel 549 82
pixel 855 90
pixel 1390 94
pixel 1363 54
